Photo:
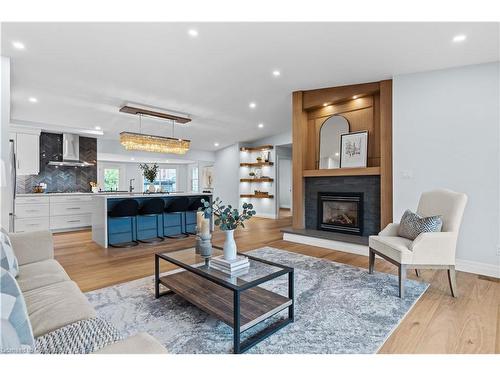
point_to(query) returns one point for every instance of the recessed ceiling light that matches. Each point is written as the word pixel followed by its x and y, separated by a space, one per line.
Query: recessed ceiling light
pixel 193 33
pixel 97 128
pixel 459 38
pixel 132 159
pixel 33 100
pixel 252 105
pixel 261 125
pixel 325 104
pixel 18 45
pixel 216 144
pixel 355 97
pixel 276 73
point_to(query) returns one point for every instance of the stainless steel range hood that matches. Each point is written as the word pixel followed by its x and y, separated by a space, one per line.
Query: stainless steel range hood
pixel 71 153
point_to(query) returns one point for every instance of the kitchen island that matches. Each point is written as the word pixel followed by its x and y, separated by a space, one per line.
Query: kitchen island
pixel 116 230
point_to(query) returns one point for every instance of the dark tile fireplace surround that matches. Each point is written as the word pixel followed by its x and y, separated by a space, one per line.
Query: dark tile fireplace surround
pixel 334 190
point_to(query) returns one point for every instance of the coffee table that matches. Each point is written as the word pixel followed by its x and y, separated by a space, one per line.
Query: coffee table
pixel 237 301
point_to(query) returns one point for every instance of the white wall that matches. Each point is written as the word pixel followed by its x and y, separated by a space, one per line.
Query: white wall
pixel 226 174
pixel 5 183
pixel 285 183
pixel 446 134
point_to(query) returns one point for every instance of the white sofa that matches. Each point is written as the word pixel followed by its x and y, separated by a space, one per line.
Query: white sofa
pixel 53 300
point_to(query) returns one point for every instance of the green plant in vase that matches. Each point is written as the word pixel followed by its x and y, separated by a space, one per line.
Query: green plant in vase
pixel 150 174
pixel 228 219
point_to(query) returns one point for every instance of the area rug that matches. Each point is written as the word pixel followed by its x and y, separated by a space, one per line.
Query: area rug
pixel 338 309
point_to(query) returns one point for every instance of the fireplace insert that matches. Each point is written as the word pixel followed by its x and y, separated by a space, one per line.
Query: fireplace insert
pixel 341 212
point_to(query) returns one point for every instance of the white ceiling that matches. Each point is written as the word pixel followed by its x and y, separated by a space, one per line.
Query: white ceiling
pixel 81 73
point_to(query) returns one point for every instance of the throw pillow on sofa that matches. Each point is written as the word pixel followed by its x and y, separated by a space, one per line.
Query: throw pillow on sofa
pixel 413 224
pixel 8 260
pixel 16 331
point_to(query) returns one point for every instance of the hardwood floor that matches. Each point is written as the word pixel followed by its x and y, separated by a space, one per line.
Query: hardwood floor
pixel 437 323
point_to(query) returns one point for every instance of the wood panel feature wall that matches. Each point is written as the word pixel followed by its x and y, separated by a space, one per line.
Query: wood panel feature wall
pixel 366 106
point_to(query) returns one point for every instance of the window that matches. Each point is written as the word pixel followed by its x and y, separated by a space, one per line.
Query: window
pixel 194 179
pixel 166 179
pixel 111 179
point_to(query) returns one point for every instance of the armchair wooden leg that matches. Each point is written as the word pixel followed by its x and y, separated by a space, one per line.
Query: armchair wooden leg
pixel 402 279
pixel 416 273
pixel 453 281
pixel 371 261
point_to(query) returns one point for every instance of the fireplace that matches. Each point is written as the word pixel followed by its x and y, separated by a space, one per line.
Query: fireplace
pixel 341 212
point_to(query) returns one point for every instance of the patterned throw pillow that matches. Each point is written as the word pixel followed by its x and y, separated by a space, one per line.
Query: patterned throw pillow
pixel 412 225
pixel 16 332
pixel 8 260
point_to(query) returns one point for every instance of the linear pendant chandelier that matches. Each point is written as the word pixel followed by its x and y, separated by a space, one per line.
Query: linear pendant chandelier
pixel 154 143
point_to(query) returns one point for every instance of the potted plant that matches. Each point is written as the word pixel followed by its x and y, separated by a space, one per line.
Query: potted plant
pixel 150 174
pixel 228 219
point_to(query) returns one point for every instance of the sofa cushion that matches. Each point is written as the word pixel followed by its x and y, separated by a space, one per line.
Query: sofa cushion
pixel 397 248
pixel 8 260
pixel 16 333
pixel 36 275
pixel 54 306
pixel 141 343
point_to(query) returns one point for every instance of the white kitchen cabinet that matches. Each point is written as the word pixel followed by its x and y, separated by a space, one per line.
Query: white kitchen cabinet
pixel 27 153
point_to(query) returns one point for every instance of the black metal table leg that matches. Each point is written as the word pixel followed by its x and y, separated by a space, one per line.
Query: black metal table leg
pixel 291 296
pixel 157 276
pixel 236 322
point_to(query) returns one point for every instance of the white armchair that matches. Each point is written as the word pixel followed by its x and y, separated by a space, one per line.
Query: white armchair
pixel 434 250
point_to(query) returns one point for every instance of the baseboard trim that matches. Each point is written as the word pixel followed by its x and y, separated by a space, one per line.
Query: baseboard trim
pixel 328 244
pixel 462 265
pixel 266 216
pixel 478 268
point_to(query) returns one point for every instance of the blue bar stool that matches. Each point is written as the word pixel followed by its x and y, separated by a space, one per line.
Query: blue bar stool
pixel 125 209
pixel 152 208
pixel 176 210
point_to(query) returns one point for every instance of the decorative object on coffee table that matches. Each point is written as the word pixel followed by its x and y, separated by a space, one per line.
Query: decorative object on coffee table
pixel 354 150
pixel 228 219
pixel 150 174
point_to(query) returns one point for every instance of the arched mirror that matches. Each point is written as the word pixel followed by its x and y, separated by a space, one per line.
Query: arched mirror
pixel 329 141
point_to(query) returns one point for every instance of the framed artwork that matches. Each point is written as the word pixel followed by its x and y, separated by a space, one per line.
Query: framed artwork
pixel 354 150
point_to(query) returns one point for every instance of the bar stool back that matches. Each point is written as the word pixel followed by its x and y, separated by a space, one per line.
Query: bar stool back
pixel 125 209
pixel 152 208
pixel 178 207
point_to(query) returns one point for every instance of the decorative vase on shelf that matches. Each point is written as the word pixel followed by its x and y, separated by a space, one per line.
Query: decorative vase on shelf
pixel 151 188
pixel 229 248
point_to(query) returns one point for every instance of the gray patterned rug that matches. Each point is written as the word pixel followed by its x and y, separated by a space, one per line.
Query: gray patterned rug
pixel 339 309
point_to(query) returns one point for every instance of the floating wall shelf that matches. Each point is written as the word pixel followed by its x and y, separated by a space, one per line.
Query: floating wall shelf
pixel 256 179
pixel 257 164
pixel 259 148
pixel 255 196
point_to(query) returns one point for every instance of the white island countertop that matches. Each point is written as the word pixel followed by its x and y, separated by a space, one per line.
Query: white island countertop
pixel 119 194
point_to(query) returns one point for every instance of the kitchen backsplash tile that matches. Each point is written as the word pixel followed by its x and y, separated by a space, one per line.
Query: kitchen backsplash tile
pixel 61 179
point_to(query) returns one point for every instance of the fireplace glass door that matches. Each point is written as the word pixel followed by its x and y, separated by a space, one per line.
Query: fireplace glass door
pixel 341 212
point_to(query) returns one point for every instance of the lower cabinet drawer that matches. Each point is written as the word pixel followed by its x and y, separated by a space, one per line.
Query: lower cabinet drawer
pixel 70 221
pixel 32 210
pixel 72 208
pixel 31 224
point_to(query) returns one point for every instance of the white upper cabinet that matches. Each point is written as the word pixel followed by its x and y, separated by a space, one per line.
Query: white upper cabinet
pixel 27 153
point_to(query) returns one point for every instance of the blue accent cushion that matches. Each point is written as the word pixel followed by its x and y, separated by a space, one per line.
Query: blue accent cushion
pixel 16 331
pixel 413 224
pixel 8 260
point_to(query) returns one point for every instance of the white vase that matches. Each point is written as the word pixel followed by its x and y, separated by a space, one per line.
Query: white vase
pixel 229 245
pixel 151 188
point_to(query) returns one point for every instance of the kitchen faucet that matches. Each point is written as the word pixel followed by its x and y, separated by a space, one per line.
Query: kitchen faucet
pixel 130 187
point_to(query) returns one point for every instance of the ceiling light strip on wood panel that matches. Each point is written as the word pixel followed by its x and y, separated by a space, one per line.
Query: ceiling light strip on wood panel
pixel 259 148
pixel 148 112
pixel 332 95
